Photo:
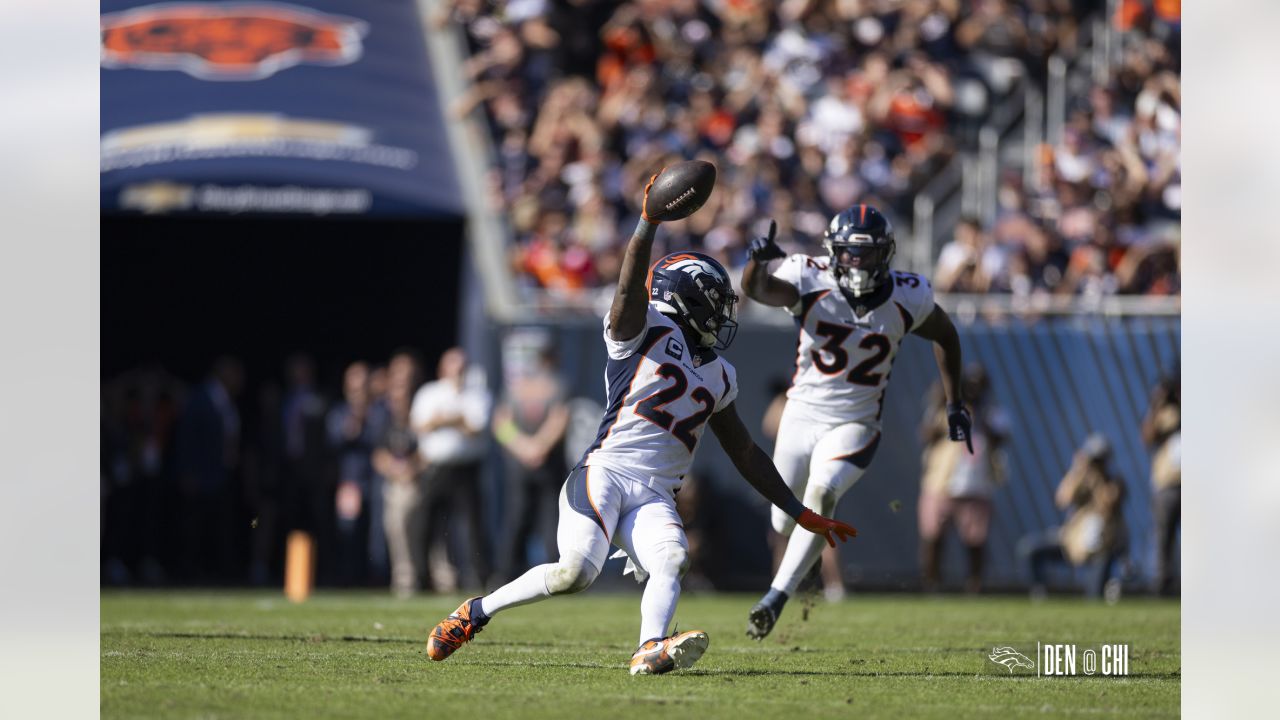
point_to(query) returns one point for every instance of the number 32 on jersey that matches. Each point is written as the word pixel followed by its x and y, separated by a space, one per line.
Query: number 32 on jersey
pixel 864 373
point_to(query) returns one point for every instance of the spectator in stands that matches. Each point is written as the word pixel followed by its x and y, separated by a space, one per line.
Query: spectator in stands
pixel 530 423
pixel 997 40
pixel 957 485
pixel 450 416
pixel 404 368
pixel 963 265
pixel 397 460
pixel 1094 536
pixel 808 107
pixel 263 483
pixel 139 414
pixel 1162 432
pixel 798 124
pixel 207 457
pixel 307 472
pixel 355 425
pixel 405 365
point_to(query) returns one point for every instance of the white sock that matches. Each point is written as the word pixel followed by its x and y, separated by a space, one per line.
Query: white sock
pixel 803 550
pixel 658 604
pixel 528 588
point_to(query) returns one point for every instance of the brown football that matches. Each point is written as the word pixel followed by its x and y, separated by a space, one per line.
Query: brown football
pixel 680 190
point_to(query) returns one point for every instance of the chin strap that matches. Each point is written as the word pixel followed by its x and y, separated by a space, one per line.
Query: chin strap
pixel 844 281
pixel 688 320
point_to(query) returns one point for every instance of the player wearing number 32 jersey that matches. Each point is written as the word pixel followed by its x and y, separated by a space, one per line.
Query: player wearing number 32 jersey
pixel 853 314
pixel 665 384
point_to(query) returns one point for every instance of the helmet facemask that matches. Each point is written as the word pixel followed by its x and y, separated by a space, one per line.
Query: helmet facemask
pixel 724 323
pixel 714 323
pixel 859 263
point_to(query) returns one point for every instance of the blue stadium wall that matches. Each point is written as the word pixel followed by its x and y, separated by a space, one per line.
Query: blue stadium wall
pixel 1060 378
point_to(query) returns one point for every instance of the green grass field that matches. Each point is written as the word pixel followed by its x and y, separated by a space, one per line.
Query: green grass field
pixel 361 655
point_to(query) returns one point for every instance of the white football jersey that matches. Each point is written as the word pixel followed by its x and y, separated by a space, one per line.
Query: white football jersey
pixel 845 353
pixel 661 393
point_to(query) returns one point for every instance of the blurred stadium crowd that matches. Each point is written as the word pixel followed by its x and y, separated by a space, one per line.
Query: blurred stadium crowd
pixel 201 484
pixel 808 106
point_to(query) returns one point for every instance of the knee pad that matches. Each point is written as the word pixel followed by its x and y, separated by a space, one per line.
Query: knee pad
pixel 675 559
pixel 573 573
pixel 782 522
pixel 821 499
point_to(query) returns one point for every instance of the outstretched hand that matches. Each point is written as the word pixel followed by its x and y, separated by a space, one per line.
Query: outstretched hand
pixel 826 527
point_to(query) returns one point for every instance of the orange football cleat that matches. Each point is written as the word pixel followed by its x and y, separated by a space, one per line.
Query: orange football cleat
pixel 452 632
pixel 672 653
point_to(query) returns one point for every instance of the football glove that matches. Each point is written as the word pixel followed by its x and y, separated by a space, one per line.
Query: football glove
pixel 644 204
pixel 960 425
pixel 764 249
pixel 826 527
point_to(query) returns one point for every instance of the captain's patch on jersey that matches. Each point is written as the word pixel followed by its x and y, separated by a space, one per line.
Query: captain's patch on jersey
pixel 675 348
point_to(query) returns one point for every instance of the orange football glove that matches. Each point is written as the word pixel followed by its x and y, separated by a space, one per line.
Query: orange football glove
pixel 644 204
pixel 826 527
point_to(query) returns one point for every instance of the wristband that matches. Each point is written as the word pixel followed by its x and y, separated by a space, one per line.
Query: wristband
pixel 793 507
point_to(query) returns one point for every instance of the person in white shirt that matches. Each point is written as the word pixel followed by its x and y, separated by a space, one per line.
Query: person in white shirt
pixel 450 416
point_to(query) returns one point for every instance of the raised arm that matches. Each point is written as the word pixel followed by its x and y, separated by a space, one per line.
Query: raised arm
pixel 626 316
pixel 939 329
pixel 757 283
pixel 758 469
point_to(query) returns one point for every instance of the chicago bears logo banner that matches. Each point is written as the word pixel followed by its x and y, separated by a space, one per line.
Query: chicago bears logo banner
pixel 228 41
pixel 316 107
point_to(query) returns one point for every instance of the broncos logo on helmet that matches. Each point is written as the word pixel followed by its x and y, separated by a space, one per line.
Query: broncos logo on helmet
pixel 696 290
pixel 861 245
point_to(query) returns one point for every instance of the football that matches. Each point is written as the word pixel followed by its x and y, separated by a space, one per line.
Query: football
pixel 680 190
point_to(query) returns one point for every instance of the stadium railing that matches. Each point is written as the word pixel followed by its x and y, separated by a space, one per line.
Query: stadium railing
pixel 473 155
pixel 544 307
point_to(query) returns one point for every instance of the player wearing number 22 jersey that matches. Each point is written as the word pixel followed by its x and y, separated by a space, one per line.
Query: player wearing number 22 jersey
pixel 665 384
pixel 853 313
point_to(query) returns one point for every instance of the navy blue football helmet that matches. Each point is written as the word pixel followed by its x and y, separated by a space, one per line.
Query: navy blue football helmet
pixel 861 245
pixel 695 289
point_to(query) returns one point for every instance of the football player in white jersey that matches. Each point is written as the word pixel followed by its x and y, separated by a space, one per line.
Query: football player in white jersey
pixel 853 313
pixel 665 383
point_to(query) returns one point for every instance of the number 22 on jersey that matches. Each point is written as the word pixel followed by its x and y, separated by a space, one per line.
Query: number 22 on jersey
pixel 651 407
